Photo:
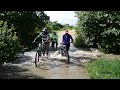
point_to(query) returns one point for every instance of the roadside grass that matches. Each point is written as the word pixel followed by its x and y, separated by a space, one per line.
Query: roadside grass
pixel 104 68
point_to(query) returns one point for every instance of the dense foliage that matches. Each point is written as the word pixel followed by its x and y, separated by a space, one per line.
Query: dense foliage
pixel 57 26
pixel 101 29
pixel 54 25
pixel 9 44
pixel 27 24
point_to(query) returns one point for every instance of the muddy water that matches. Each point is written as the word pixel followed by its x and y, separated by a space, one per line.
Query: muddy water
pixel 58 68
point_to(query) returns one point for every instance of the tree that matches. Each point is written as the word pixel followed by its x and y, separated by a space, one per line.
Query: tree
pixel 54 25
pixel 100 28
pixel 67 26
pixel 25 23
pixel 9 44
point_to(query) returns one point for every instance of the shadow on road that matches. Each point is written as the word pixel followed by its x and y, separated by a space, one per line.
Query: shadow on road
pixel 16 72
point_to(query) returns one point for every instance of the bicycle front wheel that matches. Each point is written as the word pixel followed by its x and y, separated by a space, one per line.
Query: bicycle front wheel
pixel 36 59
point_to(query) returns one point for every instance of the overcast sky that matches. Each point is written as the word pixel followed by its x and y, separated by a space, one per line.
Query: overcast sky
pixel 63 17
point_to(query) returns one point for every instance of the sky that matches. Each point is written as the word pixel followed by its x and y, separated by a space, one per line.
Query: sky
pixel 63 17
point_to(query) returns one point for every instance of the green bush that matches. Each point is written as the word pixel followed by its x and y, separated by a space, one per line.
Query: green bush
pixel 111 42
pixel 80 40
pixel 26 23
pixel 101 29
pixel 9 44
pixel 54 25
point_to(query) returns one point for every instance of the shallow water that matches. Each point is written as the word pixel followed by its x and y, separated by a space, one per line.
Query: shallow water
pixel 58 68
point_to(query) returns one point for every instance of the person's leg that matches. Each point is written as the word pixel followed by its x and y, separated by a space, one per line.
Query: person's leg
pixel 43 49
pixel 56 45
pixel 47 49
pixel 67 46
pixel 52 45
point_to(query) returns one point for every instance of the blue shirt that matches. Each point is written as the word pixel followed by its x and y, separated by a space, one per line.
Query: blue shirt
pixel 66 38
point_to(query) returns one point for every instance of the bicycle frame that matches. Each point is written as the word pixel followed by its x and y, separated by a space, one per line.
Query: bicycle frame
pixel 40 47
pixel 64 52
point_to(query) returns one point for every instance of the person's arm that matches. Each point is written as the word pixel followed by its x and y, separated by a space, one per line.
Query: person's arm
pixel 37 37
pixel 71 38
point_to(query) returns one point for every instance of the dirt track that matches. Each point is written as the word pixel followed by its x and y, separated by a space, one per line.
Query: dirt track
pixel 25 69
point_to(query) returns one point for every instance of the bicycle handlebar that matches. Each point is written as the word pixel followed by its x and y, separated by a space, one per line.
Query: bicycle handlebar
pixel 67 42
pixel 41 36
pixel 39 42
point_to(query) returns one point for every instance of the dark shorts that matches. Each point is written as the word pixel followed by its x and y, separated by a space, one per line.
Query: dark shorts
pixel 46 47
pixel 67 46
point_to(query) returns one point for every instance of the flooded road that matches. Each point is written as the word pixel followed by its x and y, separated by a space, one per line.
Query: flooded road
pixel 57 68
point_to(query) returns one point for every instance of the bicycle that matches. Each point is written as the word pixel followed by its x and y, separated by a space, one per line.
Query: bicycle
pixel 64 52
pixel 39 51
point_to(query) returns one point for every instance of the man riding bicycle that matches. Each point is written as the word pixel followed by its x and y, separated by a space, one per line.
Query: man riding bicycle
pixel 44 36
pixel 66 39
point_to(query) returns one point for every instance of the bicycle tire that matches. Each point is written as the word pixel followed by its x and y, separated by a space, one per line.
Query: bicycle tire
pixel 36 59
pixel 37 56
pixel 60 50
pixel 63 51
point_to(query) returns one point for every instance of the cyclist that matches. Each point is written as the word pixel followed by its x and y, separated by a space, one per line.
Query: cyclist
pixel 54 40
pixel 66 39
pixel 44 36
